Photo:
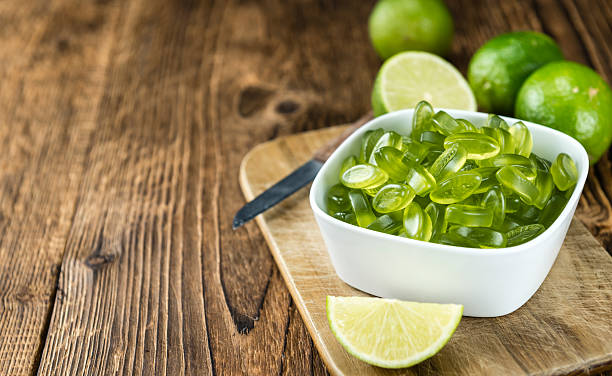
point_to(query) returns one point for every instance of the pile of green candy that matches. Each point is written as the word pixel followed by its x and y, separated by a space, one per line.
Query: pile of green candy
pixel 451 183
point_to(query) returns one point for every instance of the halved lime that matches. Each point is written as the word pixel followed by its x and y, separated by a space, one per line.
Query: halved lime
pixel 410 77
pixel 391 333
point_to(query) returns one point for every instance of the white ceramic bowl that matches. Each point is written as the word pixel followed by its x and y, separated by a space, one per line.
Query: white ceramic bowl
pixel 488 282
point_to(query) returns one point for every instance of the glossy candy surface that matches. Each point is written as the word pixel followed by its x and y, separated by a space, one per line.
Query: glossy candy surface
pixel 564 172
pixel 392 197
pixel 451 183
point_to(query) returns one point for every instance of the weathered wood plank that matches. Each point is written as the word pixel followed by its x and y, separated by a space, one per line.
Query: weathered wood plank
pixel 52 64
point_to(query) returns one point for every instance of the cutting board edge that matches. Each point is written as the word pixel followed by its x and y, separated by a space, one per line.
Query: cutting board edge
pixel 275 251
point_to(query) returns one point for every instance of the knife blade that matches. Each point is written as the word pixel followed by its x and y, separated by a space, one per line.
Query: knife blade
pixel 295 180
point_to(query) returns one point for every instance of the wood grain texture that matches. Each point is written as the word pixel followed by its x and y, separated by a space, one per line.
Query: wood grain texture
pixel 122 126
pixel 563 329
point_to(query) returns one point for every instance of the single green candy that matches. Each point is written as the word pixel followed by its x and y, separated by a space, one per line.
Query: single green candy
pixel 436 214
pixel 469 215
pixel 545 185
pixel 525 165
pixel 526 214
pixel 447 125
pixel 387 224
pixel 495 121
pixel 507 225
pixel 514 179
pixel 388 139
pixel 564 172
pixel 432 139
pixel 553 209
pixel 495 201
pixel 415 150
pixel 417 223
pixel 419 178
pixel 337 198
pixel 347 216
pixel 478 237
pixel 542 165
pixel 449 162
pixel 421 120
pixel 521 138
pixel 368 142
pixel 503 137
pixel 364 176
pixel 474 199
pixel 390 160
pixel 513 203
pixel 392 197
pixel 456 188
pixel 489 180
pixel 455 240
pixel 523 234
pixel 361 207
pixel 467 125
pixel 477 145
pixel 349 162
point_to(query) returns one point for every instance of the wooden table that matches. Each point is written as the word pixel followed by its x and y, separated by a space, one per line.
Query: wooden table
pixel 122 125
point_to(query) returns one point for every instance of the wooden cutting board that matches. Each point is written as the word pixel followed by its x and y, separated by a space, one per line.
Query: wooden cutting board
pixel 565 328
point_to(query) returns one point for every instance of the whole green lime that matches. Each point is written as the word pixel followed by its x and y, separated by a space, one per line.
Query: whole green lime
pixel 401 25
pixel 571 98
pixel 499 67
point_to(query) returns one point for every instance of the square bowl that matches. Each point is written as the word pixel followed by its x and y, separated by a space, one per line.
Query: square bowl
pixel 488 282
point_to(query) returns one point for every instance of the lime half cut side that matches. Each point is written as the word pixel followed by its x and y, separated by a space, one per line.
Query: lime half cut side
pixel 391 333
pixel 410 77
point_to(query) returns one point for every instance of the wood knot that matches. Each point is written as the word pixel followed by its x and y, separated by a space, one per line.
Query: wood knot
pixel 96 261
pixel 62 45
pixel 252 99
pixel 287 107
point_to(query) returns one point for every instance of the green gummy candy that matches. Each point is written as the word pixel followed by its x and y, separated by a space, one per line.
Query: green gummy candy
pixel 478 237
pixel 469 215
pixel 467 125
pixel 421 120
pixel 418 178
pixel 387 224
pixel 513 179
pixel 415 150
pixel 347 216
pixel 364 176
pixel 390 160
pixel 368 142
pixel 362 209
pixel 447 125
pixel 542 165
pixel 525 165
pixel 564 172
pixel 513 203
pixel 456 188
pixel 477 145
pixel 337 198
pixel 545 185
pixel 495 201
pixel 449 162
pixel 521 138
pixel 432 139
pixel 348 163
pixel 417 223
pixel 507 225
pixel 392 197
pixel 436 214
pixel 553 209
pixel 523 234
pixel 489 180
pixel 388 139
pixel 495 121
pixel 503 137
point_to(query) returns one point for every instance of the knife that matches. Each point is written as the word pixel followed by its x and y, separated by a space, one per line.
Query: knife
pixel 295 180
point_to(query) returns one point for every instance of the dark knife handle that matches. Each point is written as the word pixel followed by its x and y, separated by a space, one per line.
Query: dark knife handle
pixel 323 153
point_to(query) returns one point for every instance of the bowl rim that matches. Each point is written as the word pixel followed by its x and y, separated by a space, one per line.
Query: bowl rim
pixel 569 206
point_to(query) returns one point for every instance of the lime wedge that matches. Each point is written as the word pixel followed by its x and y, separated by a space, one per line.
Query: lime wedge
pixel 410 77
pixel 391 333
